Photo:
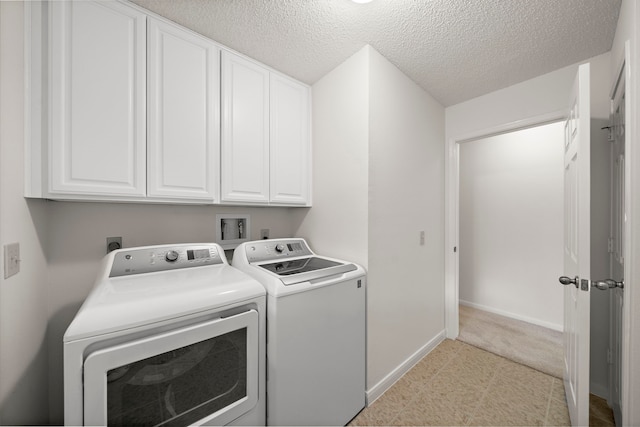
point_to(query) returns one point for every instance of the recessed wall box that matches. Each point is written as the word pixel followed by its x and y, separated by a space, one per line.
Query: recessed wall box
pixel 232 229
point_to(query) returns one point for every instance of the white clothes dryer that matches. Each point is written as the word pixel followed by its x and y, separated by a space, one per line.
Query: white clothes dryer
pixel 316 360
pixel 169 335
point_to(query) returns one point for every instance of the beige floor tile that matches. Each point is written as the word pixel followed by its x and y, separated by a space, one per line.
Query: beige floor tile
pixel 448 346
pixel 430 409
pixel 557 390
pixel 477 355
pixel 380 413
pixel 461 393
pixel 522 378
pixel 433 362
pixel 458 384
pixel 464 371
pixel 518 398
pixel 495 413
pixel 362 419
pixel 558 414
pixel 425 370
pixel 400 394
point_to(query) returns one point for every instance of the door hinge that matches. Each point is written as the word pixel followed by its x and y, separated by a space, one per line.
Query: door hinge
pixel 609 358
pixel 610 245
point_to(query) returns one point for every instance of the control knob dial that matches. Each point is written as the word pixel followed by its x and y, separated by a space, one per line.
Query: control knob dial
pixel 279 248
pixel 171 256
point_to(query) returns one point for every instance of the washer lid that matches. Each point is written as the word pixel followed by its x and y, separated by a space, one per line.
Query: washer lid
pixel 306 269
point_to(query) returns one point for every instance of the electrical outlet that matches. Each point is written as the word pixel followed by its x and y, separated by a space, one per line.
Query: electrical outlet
pixel 422 238
pixel 11 259
pixel 113 243
pixel 264 233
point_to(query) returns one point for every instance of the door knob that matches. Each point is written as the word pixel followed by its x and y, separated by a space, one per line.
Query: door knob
pixel 603 285
pixel 569 281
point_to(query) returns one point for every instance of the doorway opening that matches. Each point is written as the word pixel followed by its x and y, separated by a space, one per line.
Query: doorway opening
pixel 511 224
pixel 510 241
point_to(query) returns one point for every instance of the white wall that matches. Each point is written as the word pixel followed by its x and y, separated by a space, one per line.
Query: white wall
pixel 511 224
pixel 406 196
pixel 536 97
pixel 337 223
pixel 378 181
pixel 23 297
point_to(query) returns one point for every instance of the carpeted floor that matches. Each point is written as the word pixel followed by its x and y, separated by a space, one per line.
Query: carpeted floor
pixel 531 345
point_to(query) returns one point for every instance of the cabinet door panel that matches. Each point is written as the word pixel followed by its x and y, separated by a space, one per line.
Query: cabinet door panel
pixel 97 99
pixel 289 142
pixel 245 130
pixel 183 126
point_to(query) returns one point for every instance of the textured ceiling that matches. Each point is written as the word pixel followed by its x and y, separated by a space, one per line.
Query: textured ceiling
pixel 454 49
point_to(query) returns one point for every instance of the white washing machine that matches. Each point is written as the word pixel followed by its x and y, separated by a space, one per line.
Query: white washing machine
pixel 315 331
pixel 169 335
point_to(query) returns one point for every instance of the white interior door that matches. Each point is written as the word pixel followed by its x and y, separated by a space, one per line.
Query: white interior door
pixel 577 299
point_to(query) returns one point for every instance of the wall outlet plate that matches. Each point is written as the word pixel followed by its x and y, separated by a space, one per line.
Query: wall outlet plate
pixel 264 233
pixel 11 259
pixel 113 243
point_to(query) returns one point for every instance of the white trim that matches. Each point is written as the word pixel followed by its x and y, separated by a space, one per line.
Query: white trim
pixel 451 226
pixel 630 316
pixel 383 385
pixel 452 214
pixel 513 126
pixel 554 326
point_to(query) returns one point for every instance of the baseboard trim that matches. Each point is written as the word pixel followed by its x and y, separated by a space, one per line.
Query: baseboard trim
pixel 531 320
pixel 383 385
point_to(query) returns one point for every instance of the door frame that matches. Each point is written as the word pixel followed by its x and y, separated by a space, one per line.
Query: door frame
pixel 452 207
pixel 618 90
pixel 631 310
pixel 631 303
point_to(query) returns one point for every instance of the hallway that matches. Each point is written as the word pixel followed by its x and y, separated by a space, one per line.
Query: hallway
pixel 458 384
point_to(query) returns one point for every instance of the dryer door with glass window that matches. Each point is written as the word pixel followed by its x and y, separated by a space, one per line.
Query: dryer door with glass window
pixel 204 373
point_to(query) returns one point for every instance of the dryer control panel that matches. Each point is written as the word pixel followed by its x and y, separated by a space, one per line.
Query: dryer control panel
pixel 161 258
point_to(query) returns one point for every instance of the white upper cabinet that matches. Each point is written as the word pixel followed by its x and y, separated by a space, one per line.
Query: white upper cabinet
pixel 183 113
pixel 125 105
pixel 97 105
pixel 289 142
pixel 265 135
pixel 245 130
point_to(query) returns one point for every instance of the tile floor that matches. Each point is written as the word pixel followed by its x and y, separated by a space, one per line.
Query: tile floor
pixel 458 384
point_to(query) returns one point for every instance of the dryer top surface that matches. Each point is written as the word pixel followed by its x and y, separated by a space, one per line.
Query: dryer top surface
pixel 124 302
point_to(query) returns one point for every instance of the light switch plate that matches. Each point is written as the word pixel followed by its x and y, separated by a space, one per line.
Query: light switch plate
pixel 11 259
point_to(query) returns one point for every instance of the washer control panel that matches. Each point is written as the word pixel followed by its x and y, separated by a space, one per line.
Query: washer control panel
pixel 160 258
pixel 266 250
